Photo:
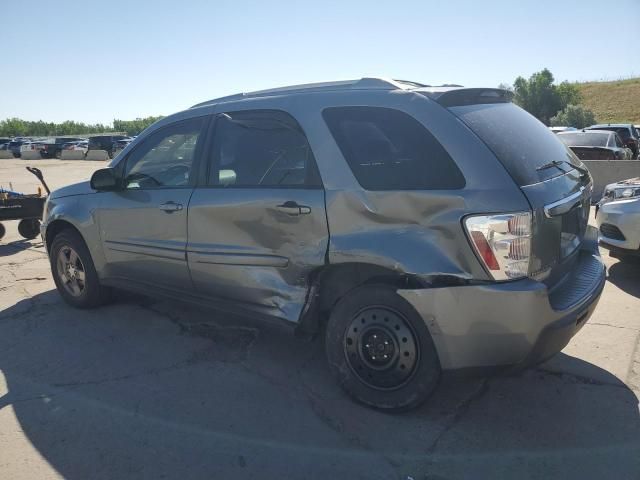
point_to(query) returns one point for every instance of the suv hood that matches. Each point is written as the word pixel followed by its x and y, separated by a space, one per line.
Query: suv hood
pixel 82 188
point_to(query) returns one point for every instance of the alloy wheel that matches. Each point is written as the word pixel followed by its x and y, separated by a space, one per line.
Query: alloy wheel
pixel 71 271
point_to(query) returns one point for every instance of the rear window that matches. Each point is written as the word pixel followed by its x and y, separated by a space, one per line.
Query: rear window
pixel 519 140
pixel 585 139
pixel 622 131
pixel 387 149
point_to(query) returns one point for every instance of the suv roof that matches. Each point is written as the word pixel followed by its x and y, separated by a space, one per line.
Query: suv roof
pixel 604 125
pixel 366 83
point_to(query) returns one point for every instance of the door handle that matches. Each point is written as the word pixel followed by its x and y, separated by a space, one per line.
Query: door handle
pixel 292 208
pixel 170 207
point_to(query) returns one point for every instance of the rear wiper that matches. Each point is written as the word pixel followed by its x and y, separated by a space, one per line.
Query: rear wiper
pixel 556 163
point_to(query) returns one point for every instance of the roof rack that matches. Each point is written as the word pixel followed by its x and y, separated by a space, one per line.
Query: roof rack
pixel 366 83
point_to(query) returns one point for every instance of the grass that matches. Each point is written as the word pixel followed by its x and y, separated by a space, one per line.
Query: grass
pixel 613 102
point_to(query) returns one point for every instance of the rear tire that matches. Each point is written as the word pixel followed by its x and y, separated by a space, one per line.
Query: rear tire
pixel 380 349
pixel 29 228
pixel 74 273
pixel 3 231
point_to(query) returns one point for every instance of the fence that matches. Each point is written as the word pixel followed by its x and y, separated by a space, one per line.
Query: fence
pixel 605 172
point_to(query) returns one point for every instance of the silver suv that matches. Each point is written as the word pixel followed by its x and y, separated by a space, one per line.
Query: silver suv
pixel 423 229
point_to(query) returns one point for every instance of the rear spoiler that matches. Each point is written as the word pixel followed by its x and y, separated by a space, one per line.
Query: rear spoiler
pixel 458 97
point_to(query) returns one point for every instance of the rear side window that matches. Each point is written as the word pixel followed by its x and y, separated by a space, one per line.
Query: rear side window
pixel 261 148
pixel 387 149
pixel 519 140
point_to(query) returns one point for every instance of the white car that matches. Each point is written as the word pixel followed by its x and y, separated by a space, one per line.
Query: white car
pixel 32 145
pixel 618 219
pixel 82 146
pixel 562 129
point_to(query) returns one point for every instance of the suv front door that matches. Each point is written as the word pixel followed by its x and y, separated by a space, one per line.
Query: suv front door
pixel 258 227
pixel 143 225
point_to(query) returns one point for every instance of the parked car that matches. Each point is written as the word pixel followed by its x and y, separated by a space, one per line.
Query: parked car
pixel 562 129
pixel 32 145
pixel 427 229
pixel 618 219
pixel 627 133
pixel 78 145
pixel 596 145
pixel 120 145
pixel 52 148
pixel 16 143
pixel 105 142
pixel 4 142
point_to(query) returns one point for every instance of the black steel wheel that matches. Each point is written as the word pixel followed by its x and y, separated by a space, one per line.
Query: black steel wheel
pixel 29 228
pixel 380 349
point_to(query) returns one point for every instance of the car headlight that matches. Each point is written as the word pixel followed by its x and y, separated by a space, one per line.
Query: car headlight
pixel 622 193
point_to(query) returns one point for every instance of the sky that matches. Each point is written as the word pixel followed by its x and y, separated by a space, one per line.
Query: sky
pixel 95 61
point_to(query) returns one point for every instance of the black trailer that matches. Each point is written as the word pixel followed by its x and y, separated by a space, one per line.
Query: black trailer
pixel 26 208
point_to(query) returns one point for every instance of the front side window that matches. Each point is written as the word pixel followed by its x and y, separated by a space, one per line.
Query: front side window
pixel 261 148
pixel 387 149
pixel 165 158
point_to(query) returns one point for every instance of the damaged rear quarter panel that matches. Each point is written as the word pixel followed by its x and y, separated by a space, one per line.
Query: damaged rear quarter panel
pixel 411 232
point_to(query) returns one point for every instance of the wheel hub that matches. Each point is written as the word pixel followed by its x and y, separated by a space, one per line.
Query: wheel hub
pixel 71 271
pixel 381 348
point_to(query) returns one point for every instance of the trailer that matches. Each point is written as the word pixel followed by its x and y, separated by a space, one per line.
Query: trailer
pixel 25 208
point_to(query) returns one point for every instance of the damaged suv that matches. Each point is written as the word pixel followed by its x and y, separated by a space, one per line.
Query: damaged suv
pixel 423 229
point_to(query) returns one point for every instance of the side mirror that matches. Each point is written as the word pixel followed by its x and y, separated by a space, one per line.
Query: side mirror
pixel 104 180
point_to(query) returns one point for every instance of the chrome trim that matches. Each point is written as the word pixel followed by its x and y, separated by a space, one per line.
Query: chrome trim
pixel 560 203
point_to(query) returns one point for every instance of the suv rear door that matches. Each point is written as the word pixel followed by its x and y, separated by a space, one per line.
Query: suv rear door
pixel 257 224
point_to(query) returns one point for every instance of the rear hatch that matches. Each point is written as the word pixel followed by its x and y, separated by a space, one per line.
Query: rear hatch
pixel 554 181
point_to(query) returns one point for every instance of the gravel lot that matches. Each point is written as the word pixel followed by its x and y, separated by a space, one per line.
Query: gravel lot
pixel 152 389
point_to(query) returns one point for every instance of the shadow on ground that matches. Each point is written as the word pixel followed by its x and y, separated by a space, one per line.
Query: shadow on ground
pixel 146 389
pixel 626 276
pixel 17 246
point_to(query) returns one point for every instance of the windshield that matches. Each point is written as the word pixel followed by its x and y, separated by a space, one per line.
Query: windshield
pixel 585 139
pixel 519 140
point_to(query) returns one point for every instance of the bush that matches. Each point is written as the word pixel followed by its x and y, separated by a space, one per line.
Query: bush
pixel 574 116
pixel 541 97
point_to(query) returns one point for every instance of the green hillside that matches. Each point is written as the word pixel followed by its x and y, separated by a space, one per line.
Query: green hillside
pixel 617 101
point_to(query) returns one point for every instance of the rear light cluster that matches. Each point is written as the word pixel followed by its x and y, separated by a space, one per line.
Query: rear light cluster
pixel 502 242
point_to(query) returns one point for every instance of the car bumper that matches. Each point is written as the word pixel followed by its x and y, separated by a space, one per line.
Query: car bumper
pixel 625 215
pixel 509 324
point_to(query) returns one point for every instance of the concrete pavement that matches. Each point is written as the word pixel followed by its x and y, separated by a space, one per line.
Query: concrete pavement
pixel 153 389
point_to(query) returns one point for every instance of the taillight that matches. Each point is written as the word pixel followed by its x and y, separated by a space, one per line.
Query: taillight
pixel 502 242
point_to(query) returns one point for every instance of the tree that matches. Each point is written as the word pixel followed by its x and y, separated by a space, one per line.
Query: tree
pixel 541 97
pixel 569 94
pixel 574 116
pixel 134 127
pixel 16 127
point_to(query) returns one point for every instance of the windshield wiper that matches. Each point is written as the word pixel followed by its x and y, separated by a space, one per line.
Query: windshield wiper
pixel 556 163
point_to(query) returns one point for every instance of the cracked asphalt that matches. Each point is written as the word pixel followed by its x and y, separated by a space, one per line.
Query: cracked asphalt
pixel 153 389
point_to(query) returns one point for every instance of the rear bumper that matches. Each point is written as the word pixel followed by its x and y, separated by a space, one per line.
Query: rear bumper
pixel 517 323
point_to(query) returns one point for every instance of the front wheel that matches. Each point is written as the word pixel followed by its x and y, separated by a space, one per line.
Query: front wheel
pixel 74 273
pixel 380 349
